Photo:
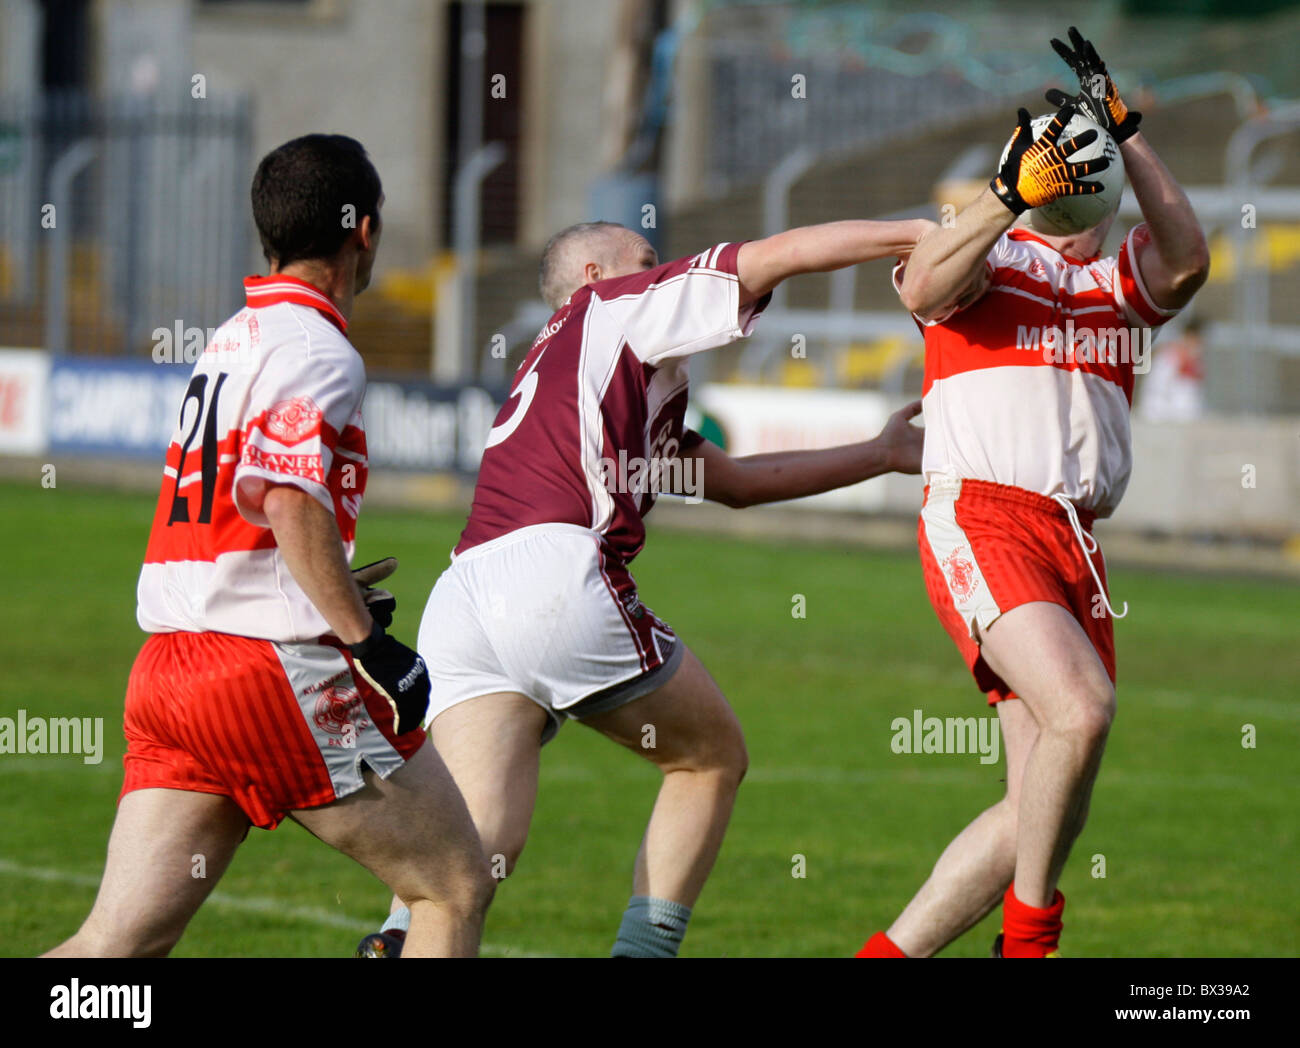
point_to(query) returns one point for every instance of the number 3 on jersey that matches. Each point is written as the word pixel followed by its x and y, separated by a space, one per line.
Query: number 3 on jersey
pixel 205 408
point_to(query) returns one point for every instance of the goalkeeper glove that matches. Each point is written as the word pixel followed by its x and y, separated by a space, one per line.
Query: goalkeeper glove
pixel 397 673
pixel 1097 98
pixel 1036 171
pixel 379 602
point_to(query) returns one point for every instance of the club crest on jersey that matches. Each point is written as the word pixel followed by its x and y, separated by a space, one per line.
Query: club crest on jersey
pixel 293 421
pixel 632 604
pixel 960 572
pixel 339 712
pixel 1103 280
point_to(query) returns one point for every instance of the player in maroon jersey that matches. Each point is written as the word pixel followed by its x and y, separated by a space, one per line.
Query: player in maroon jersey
pixel 537 620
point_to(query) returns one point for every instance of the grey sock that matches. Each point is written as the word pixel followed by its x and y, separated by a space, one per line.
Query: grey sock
pixel 400 919
pixel 651 928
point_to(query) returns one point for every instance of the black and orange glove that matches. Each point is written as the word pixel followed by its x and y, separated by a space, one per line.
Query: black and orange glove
pixel 1036 171
pixel 1097 98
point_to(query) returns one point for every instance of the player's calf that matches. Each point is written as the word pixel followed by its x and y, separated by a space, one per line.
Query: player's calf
pixel 167 850
pixel 973 872
pixel 687 730
pixel 414 832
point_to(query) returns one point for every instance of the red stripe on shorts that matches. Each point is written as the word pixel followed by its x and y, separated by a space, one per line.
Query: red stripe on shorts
pixel 215 713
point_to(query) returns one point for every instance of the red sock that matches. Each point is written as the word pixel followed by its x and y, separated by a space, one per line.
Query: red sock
pixel 1030 931
pixel 880 945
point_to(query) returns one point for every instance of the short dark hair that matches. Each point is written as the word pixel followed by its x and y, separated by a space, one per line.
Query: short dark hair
pixel 300 193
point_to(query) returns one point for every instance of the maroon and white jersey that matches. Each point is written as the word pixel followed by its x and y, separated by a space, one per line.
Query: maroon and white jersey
pixel 599 401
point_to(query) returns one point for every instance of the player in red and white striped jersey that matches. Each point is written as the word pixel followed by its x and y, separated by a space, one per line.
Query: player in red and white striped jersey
pixel 269 687
pixel 538 620
pixel 1032 343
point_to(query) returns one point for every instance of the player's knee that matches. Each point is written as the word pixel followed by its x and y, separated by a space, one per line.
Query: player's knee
pixel 717 750
pixel 742 761
pixel 482 891
pixel 471 890
pixel 467 892
pixel 1090 720
pixel 728 757
pixel 1085 718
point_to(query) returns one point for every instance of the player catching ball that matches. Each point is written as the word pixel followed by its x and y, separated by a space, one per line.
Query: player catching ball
pixel 1031 343
pixel 269 687
pixel 537 620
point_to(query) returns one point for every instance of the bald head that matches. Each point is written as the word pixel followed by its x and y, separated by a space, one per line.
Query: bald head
pixel 588 252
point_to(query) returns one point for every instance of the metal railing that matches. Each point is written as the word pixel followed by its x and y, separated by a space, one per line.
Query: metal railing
pixel 120 216
pixel 759 114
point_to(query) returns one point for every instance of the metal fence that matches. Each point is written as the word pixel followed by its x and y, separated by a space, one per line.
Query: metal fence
pixel 120 216
pixel 760 112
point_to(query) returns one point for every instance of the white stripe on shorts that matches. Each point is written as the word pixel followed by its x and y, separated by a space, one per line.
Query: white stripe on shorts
pixel 955 557
pixel 335 714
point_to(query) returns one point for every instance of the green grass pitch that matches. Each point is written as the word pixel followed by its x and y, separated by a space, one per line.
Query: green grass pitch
pixel 1199 834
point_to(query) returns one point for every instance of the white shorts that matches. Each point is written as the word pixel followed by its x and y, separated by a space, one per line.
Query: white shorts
pixel 549 612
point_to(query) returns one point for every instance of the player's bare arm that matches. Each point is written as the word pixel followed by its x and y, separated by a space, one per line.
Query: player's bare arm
pixel 308 537
pixel 948 261
pixel 309 540
pixel 1176 260
pixel 752 480
pixel 763 264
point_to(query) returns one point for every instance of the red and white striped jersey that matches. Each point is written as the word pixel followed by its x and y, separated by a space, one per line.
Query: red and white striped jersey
pixel 275 398
pixel 600 398
pixel 1031 385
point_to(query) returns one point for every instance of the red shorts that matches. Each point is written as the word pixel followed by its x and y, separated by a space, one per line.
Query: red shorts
pixel 274 727
pixel 987 548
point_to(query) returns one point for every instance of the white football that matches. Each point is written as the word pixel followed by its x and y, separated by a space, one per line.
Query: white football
pixel 1074 214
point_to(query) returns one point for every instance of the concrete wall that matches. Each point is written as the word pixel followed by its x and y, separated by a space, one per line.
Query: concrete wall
pixel 373 69
pixel 377 72
pixel 350 68
pixel 20 28
pixel 1230 476
pixel 568 43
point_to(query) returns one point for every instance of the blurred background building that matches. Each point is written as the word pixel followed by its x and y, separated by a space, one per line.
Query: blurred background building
pixel 129 130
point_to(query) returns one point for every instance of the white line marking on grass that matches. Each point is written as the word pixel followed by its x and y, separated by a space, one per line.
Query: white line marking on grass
pixel 244 903
pixel 910 775
pixel 771 775
pixel 217 898
pixel 1227 705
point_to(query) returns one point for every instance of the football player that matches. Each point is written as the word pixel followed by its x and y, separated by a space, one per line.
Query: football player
pixel 1032 343
pixel 269 686
pixel 538 621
